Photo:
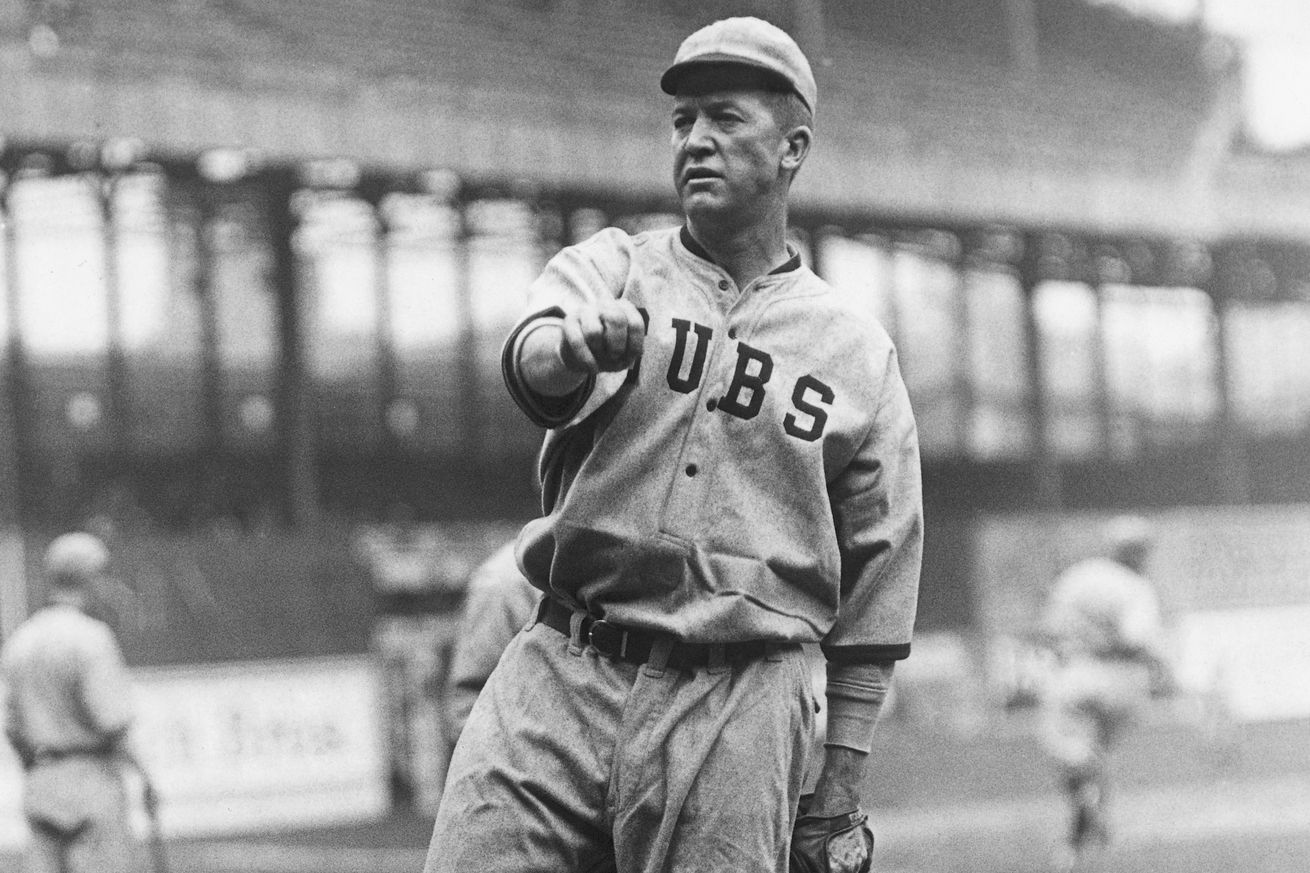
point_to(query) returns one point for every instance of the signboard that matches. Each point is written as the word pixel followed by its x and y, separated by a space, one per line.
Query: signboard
pixel 1257 659
pixel 251 746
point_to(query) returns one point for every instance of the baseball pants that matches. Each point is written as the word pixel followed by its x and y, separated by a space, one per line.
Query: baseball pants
pixel 1089 702
pixel 77 811
pixel 571 761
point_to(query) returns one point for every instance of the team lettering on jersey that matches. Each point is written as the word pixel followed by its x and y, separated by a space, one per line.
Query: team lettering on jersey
pixel 745 395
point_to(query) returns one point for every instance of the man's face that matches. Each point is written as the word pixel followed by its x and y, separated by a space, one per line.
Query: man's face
pixel 728 148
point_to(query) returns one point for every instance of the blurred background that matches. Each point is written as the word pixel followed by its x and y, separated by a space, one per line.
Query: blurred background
pixel 258 259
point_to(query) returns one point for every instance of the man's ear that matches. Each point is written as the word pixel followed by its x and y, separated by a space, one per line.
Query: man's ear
pixel 796 147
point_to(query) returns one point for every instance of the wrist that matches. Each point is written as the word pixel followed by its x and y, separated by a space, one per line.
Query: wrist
pixel 833 802
pixel 840 781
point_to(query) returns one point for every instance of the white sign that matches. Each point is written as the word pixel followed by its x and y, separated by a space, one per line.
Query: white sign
pixel 1255 659
pixel 251 746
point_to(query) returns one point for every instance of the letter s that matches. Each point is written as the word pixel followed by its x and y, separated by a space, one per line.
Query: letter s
pixel 818 415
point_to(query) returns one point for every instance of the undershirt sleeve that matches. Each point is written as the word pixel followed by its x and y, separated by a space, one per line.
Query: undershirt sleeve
pixel 855 693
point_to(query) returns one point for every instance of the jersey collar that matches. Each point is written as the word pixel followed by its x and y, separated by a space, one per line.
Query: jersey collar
pixel 689 242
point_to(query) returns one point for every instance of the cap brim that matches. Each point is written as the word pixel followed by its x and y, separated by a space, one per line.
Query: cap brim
pixel 674 74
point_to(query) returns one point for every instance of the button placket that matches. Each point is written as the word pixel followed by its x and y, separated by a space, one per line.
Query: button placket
pixel 682 512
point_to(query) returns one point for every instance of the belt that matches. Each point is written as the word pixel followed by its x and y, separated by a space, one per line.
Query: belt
pixel 634 645
pixel 50 756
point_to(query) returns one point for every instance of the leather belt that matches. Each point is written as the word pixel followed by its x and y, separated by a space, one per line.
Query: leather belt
pixel 51 756
pixel 634 645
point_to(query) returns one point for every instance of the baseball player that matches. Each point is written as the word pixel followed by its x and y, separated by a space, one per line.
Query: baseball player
pixel 498 603
pixel 68 712
pixel 730 470
pixel 1102 619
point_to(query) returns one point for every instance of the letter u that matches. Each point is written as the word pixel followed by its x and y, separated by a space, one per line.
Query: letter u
pixel 689 383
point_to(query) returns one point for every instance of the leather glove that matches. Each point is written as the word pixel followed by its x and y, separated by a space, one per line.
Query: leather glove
pixel 831 844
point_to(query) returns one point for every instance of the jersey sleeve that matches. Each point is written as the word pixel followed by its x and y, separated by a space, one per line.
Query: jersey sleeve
pixel 877 504
pixel 588 271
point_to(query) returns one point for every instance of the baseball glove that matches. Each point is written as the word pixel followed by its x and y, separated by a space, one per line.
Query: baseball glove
pixel 832 844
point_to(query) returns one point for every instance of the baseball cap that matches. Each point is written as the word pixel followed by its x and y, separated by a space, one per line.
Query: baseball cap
pixel 76 556
pixel 746 41
pixel 1127 531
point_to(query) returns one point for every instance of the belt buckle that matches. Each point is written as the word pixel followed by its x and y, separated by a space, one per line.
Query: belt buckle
pixel 606 639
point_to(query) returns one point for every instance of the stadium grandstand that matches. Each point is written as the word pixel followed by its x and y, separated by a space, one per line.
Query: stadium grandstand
pixel 259 259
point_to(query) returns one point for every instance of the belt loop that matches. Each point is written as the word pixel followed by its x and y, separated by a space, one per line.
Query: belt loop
pixel 773 651
pixel 660 651
pixel 717 659
pixel 576 643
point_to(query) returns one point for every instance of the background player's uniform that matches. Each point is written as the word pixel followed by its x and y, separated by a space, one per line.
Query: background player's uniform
pixel 1104 620
pixel 754 477
pixel 497 604
pixel 68 706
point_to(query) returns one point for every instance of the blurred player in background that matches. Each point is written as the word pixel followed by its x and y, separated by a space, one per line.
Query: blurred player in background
pixel 731 471
pixel 68 715
pixel 1102 620
pixel 498 603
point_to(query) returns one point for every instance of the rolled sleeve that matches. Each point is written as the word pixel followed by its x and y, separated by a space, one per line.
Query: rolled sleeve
pixel 588 271
pixel 543 411
pixel 877 506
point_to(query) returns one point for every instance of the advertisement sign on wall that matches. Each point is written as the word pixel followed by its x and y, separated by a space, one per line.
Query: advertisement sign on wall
pixel 251 746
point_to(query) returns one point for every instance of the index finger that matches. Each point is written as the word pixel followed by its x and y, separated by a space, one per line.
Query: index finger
pixel 636 332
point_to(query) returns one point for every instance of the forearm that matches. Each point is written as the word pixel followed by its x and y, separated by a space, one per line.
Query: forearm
pixel 540 363
pixel 855 694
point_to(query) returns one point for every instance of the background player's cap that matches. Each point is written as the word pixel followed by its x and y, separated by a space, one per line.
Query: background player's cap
pixel 1130 538
pixel 1127 531
pixel 749 42
pixel 76 557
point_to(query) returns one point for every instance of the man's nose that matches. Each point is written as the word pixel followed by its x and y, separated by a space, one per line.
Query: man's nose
pixel 699 138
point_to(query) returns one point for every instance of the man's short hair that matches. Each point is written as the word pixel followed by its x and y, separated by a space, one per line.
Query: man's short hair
pixel 792 112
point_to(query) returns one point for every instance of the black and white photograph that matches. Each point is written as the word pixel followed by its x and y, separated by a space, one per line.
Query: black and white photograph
pixel 654 436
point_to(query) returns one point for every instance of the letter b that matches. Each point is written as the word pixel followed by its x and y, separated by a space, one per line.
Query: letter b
pixel 743 380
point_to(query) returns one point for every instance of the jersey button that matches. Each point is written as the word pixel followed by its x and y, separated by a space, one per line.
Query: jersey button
pixel 732 333
pixel 723 285
pixel 711 404
pixel 691 470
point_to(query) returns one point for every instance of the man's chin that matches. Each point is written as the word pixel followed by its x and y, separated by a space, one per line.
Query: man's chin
pixel 702 204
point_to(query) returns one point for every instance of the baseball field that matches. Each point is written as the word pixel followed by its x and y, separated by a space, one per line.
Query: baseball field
pixel 952 801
